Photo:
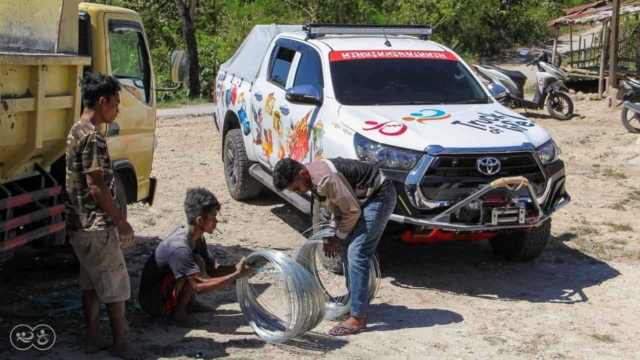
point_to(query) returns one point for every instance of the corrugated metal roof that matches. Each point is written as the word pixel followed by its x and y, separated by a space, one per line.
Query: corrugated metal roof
pixel 581 8
pixel 595 14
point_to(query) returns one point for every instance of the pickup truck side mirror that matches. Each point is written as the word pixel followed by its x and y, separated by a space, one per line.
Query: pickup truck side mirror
pixel 304 95
pixel 498 91
pixel 179 66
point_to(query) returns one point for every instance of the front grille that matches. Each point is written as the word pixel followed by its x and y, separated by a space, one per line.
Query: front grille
pixel 453 177
pixel 465 165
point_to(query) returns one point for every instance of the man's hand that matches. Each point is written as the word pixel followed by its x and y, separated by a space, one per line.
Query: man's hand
pixel 332 247
pixel 127 237
pixel 243 270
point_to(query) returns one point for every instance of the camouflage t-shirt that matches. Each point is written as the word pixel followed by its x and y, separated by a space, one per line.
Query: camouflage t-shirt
pixel 87 152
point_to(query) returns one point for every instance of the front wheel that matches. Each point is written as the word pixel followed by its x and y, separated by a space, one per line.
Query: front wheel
pixel 631 124
pixel 522 246
pixel 241 185
pixel 560 105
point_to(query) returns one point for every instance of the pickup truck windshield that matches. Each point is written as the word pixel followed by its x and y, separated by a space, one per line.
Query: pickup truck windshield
pixel 404 81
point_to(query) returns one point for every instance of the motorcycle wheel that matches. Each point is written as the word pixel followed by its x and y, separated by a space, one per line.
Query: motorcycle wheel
pixel 560 106
pixel 629 123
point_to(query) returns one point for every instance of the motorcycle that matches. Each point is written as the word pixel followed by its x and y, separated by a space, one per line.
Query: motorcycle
pixel 631 104
pixel 550 90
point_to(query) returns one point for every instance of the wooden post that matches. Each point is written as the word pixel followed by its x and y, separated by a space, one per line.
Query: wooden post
pixel 555 45
pixel 584 49
pixel 570 46
pixel 603 57
pixel 592 55
pixel 613 56
pixel 637 52
pixel 579 52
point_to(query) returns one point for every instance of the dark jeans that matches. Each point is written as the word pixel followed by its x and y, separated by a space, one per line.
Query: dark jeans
pixel 362 244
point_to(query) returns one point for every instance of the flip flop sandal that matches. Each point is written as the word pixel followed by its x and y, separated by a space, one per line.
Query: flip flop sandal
pixel 351 330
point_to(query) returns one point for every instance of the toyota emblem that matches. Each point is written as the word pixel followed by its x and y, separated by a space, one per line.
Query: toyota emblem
pixel 488 165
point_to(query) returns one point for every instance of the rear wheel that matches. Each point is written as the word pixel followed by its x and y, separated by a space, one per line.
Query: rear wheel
pixel 630 120
pixel 522 246
pixel 560 105
pixel 241 185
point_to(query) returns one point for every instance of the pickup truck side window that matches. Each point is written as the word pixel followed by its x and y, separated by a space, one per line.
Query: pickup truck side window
pixel 281 66
pixel 309 71
pixel 129 59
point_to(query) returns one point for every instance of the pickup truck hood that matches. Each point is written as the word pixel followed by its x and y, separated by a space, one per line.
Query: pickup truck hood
pixel 451 126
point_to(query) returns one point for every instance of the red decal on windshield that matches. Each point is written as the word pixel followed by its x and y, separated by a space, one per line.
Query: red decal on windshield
pixel 393 54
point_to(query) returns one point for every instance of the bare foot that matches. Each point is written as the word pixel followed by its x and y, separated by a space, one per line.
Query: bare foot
pixel 195 306
pixel 126 350
pixel 185 320
pixel 96 344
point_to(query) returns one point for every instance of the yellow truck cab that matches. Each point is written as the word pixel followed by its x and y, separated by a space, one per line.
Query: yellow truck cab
pixel 45 47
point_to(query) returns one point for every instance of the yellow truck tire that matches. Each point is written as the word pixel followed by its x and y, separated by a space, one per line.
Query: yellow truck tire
pixel 121 195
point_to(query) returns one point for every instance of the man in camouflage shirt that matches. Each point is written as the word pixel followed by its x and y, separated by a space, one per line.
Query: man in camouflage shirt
pixel 96 226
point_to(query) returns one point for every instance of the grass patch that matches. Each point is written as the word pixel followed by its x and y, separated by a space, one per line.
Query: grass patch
pixel 585 230
pixel 620 242
pixel 181 103
pixel 631 196
pixel 614 174
pixel 606 338
pixel 619 227
pixel 149 221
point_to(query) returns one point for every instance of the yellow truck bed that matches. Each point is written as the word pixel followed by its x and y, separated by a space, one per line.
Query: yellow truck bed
pixel 39 75
pixel 39 101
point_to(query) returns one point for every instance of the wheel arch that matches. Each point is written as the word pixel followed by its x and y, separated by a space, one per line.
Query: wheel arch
pixel 124 168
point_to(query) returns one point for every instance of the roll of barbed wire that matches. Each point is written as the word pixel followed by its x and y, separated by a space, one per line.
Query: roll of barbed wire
pixel 334 286
pixel 296 305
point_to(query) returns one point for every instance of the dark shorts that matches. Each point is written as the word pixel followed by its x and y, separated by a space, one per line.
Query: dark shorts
pixel 160 300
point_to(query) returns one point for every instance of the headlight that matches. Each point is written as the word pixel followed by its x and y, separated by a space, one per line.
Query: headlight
pixel 548 152
pixel 386 157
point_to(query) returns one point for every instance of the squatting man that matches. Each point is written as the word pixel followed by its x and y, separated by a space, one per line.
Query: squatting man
pixel 174 273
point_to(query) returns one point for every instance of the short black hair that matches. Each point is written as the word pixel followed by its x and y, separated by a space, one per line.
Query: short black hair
pixel 199 202
pixel 285 172
pixel 95 86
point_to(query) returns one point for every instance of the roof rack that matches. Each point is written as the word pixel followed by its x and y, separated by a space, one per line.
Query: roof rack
pixel 318 29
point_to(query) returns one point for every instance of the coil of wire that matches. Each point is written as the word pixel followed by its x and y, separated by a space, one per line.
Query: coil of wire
pixel 297 306
pixel 334 285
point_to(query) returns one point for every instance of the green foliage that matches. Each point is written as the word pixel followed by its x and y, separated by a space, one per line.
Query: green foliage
pixel 472 28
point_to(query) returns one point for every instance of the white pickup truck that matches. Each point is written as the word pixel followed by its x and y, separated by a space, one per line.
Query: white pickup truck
pixel 464 166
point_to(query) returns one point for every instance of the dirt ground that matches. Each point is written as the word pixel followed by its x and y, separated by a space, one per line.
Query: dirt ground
pixel 448 300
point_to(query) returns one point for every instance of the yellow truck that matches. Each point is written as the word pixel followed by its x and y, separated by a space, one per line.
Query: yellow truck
pixel 45 47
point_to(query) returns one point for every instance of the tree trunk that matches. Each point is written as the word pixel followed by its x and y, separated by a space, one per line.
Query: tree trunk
pixel 189 33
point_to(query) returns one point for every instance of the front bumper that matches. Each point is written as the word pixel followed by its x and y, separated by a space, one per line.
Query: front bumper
pixel 444 220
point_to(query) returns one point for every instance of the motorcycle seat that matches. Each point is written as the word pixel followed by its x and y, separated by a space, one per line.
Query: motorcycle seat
pixel 514 74
pixel 517 76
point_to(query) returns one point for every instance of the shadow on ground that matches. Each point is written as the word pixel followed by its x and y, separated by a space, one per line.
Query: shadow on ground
pixel 395 317
pixel 42 287
pixel 559 275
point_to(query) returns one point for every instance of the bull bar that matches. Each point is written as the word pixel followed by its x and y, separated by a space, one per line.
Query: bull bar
pixel 443 220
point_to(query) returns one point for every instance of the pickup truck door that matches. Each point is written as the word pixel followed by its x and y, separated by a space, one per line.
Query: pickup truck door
pixel 131 137
pixel 269 137
pixel 305 139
